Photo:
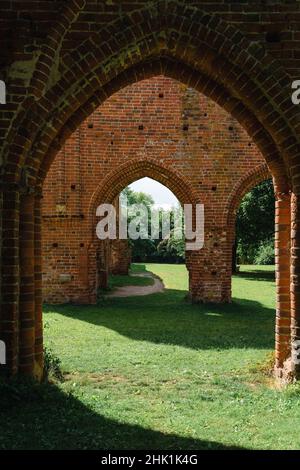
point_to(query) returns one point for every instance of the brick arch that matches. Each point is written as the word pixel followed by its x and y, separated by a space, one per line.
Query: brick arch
pixel 112 186
pixel 202 84
pixel 237 74
pixel 248 74
pixel 242 187
pixel 250 180
pixel 133 170
pixel 43 72
pixel 51 49
pixel 283 207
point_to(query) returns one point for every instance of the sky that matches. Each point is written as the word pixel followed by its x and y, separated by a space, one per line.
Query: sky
pixel 162 196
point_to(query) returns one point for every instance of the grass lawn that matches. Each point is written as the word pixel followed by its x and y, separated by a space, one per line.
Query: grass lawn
pixel 157 372
pixel 116 280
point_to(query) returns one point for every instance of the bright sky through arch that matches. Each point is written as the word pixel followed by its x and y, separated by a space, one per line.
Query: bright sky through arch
pixel 161 195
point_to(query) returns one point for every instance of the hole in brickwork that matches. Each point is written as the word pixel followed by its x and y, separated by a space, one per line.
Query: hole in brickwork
pixel 54 245
pixel 230 128
pixel 185 127
pixel 161 95
pixel 214 188
pixel 249 144
pixel 273 36
pixel 214 273
pixel 205 114
pixel 81 245
pixel 90 125
pixel 73 187
pixel 141 127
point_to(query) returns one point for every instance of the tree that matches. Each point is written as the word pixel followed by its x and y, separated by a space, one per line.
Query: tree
pixel 136 197
pixel 255 223
pixel 170 249
pixel 142 249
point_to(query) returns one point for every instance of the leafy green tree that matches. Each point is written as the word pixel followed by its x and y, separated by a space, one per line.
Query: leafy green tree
pixel 255 224
pixel 142 249
pixel 136 197
pixel 170 249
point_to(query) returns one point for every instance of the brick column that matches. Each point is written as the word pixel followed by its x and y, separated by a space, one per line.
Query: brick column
pixel 27 285
pixel 119 257
pixel 102 270
pixel 9 315
pixel 228 264
pixel 210 268
pixel 39 355
pixel 282 260
pixel 295 286
pixel 194 265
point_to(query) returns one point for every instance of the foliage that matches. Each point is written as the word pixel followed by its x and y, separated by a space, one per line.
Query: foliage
pixel 163 249
pixel 143 250
pixel 52 366
pixel 265 254
pixel 136 197
pixel 255 223
pixel 171 249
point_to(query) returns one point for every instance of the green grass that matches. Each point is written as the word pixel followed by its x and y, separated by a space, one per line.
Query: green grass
pixel 117 280
pixel 160 373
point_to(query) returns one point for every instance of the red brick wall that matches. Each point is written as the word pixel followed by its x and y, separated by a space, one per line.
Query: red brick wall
pixel 158 121
pixel 62 59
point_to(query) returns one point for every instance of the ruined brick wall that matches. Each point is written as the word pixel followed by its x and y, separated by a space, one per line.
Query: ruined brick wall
pixel 25 26
pixel 120 257
pixel 63 59
pixel 159 121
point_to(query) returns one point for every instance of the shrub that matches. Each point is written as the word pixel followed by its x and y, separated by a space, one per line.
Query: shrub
pixel 265 254
pixel 52 366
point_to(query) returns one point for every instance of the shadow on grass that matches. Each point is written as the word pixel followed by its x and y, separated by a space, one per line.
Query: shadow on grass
pixel 44 417
pixel 166 318
pixel 257 275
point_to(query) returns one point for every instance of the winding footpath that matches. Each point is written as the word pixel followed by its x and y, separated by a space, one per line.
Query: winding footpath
pixel 132 291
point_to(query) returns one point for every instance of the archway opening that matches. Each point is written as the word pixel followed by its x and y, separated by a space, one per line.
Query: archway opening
pixel 78 66
pixel 155 235
pixel 204 53
pixel 254 232
pixel 155 224
pixel 197 169
pixel 162 129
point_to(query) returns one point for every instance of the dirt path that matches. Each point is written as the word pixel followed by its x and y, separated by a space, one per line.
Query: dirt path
pixel 131 291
